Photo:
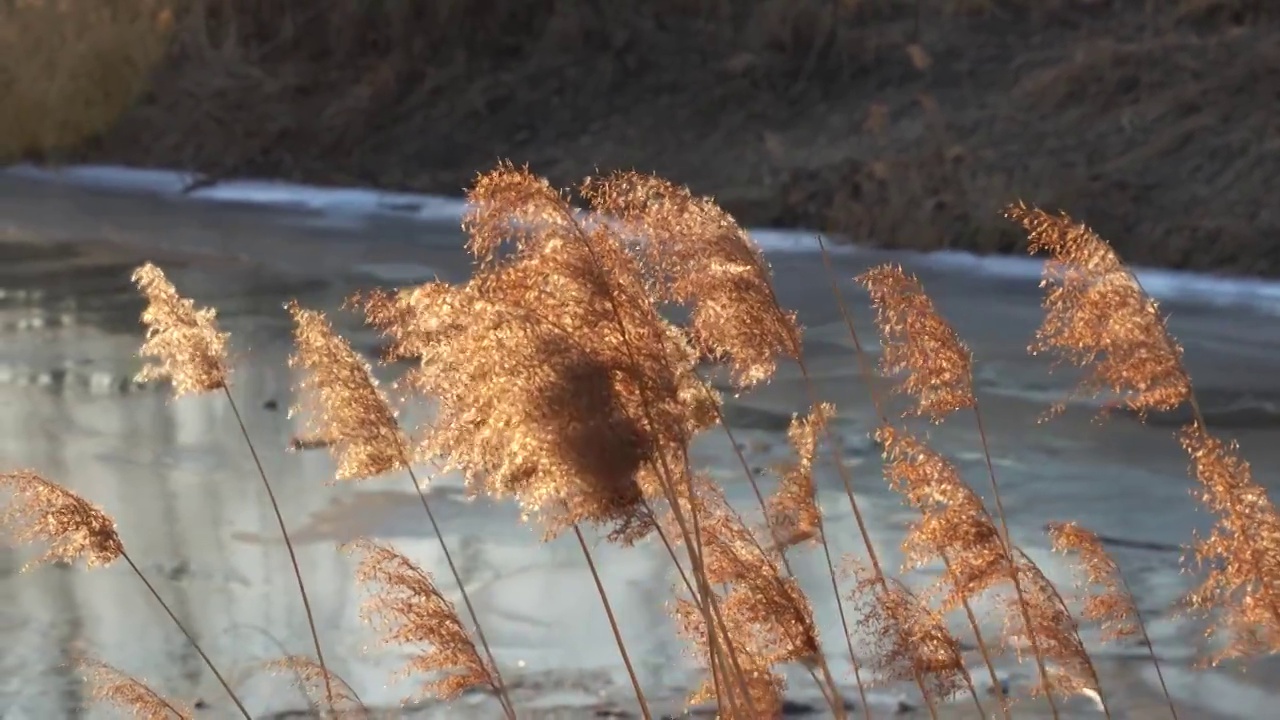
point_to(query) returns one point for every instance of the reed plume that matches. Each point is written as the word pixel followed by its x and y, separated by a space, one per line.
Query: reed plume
pixel 935 366
pixel 404 604
pixel 792 511
pixel 1108 603
pixel 557 381
pixel 698 257
pixel 75 529
pixel 1242 551
pixel 1041 617
pixel 112 686
pixel 314 680
pixel 763 687
pixel 954 526
pixel 1098 318
pixel 1108 600
pixel 341 398
pixel 936 371
pixel 1094 307
pixel 191 352
pixel 909 641
pixel 703 259
pixel 348 408
pixel 184 343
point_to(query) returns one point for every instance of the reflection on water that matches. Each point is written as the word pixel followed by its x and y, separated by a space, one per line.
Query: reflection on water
pixel 181 485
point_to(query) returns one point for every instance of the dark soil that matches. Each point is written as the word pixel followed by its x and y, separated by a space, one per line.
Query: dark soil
pixel 893 122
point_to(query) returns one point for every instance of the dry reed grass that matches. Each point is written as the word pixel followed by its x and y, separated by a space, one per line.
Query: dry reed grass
pixel 561 386
pixel 69 70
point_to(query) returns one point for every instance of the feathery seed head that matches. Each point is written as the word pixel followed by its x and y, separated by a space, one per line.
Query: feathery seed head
pixel 1054 629
pixel 764 685
pixel 557 380
pixel 1242 551
pixel 1098 318
pixel 107 684
pixel 406 606
pixel 1109 604
pixel 41 511
pixel 342 400
pixel 792 513
pixel 954 525
pixel 703 259
pixel 185 343
pixel 919 344
pixel 312 679
pixel 910 641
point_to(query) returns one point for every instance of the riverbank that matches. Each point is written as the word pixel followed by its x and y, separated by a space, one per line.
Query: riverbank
pixel 898 123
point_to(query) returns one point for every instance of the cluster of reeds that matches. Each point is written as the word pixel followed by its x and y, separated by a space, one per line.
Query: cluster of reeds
pixel 561 385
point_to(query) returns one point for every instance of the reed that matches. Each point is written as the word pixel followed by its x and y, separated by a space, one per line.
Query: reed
pixel 561 385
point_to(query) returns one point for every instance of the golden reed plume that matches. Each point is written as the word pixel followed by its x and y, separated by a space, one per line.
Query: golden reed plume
pixel 557 381
pixel 1108 603
pixel 909 641
pixel 936 368
pixel 341 398
pixel 1242 551
pixel 406 606
pixel 954 525
pixel 314 680
pixel 704 259
pixel 185 343
pixel 1043 616
pixel 792 511
pixel 1097 317
pixel 110 685
pixel 74 528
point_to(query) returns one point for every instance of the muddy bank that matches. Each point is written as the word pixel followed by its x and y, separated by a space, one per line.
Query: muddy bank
pixel 903 124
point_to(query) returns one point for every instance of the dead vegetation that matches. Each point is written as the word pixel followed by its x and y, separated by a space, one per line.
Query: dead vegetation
pixel 562 388
pixel 1134 114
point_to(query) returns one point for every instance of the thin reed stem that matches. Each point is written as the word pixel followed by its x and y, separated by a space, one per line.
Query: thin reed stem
pixel 613 623
pixel 503 698
pixel 1017 584
pixel 190 638
pixel 1146 639
pixel 288 543
pixel 864 369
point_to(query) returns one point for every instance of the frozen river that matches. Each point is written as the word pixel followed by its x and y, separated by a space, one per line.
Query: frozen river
pixel 177 478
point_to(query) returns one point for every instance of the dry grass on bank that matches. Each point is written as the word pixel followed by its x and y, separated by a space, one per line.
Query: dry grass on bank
pixel 562 388
pixel 69 70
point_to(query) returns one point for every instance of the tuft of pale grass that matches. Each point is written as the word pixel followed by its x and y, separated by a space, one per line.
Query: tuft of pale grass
pixel 1098 318
pixel 557 380
pixel 316 682
pixel 910 642
pixel 75 529
pixel 342 400
pixel 110 685
pixel 1242 551
pixel 405 604
pixel 69 70
pixel 185 344
pixel 935 365
pixel 1040 617
pixel 703 259
pixel 792 512
pixel 1109 603
pixel 954 525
